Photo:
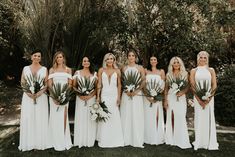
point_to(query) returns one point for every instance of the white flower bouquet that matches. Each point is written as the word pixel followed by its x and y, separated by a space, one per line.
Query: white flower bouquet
pixel 99 112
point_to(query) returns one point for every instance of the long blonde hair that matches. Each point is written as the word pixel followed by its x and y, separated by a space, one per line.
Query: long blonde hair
pixel 183 72
pixel 203 53
pixel 54 63
pixel 106 56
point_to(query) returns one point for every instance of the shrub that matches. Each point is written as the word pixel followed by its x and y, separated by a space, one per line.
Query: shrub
pixel 225 99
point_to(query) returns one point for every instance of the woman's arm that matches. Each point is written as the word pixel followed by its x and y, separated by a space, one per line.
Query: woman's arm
pixel 99 84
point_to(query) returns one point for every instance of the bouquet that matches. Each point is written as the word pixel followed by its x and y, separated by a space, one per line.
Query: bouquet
pixel 178 84
pixel 131 81
pixel 85 86
pixel 99 112
pixel 61 93
pixel 33 84
pixel 203 91
pixel 153 90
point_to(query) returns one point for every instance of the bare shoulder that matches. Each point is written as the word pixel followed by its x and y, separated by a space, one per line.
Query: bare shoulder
pixel 192 71
pixel 212 70
pixel 162 71
pixel 100 70
pixel 118 71
pixel 69 70
pixel 51 71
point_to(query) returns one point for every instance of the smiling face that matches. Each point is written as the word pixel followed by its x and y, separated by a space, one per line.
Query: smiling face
pixel 176 64
pixel 153 61
pixel 85 62
pixel 36 57
pixel 60 59
pixel 131 57
pixel 202 60
pixel 109 61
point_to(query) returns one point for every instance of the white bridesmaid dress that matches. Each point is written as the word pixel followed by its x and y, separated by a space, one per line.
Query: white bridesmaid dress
pixel 34 118
pixel 153 116
pixel 110 132
pixel 132 117
pixel 60 137
pixel 84 127
pixel 177 134
pixel 204 119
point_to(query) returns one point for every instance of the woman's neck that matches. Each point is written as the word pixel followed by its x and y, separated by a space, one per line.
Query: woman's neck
pixel 132 64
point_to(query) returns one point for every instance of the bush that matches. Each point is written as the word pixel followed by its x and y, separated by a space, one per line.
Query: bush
pixel 225 100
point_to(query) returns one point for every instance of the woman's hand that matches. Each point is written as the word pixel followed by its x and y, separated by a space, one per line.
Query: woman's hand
pixel 179 94
pixel 56 102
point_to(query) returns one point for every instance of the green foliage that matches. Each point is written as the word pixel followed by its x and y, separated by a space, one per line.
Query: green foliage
pixel 225 101
pixel 10 49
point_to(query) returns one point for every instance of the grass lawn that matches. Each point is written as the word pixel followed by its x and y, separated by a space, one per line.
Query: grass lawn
pixel 226 141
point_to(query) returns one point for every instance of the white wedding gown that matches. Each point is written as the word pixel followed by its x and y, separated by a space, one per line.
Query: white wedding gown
pixel 60 137
pixel 84 127
pixel 34 118
pixel 177 134
pixel 132 116
pixel 153 116
pixel 110 132
pixel 204 119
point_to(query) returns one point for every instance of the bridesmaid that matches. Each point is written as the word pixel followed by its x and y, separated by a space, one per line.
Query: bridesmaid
pixel 109 90
pixel 58 121
pixel 84 127
pixel 153 115
pixel 132 110
pixel 176 107
pixel 34 117
pixel 204 120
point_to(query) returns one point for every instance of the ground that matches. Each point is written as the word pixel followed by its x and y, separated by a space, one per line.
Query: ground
pixel 10 98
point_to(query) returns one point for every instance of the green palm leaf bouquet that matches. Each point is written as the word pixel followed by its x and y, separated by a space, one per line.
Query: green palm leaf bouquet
pixel 177 84
pixel 85 86
pixel 153 90
pixel 203 91
pixel 61 93
pixel 33 84
pixel 131 81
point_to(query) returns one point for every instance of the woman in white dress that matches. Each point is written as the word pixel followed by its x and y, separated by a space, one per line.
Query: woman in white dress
pixel 84 127
pixel 153 114
pixel 204 119
pixel 34 117
pixel 176 106
pixel 132 109
pixel 59 129
pixel 109 90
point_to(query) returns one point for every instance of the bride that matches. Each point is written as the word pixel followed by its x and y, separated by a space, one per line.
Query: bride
pixel 109 90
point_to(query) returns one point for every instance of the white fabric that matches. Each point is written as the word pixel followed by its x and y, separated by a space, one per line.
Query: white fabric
pixel 60 137
pixel 34 119
pixel 177 133
pixel 84 127
pixel 153 116
pixel 204 120
pixel 132 117
pixel 110 132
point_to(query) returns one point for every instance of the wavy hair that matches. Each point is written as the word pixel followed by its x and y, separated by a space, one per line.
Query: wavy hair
pixel 91 67
pixel 203 53
pixel 183 72
pixel 54 63
pixel 106 56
